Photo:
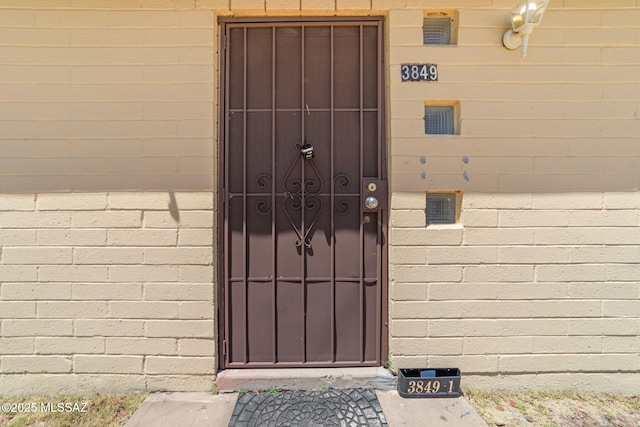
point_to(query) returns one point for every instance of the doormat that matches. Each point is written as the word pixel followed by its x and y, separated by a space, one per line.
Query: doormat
pixel 320 408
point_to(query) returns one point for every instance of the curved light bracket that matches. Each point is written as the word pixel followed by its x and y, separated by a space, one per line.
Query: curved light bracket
pixel 524 17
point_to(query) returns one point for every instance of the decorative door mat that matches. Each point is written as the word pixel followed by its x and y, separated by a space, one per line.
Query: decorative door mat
pixel 334 407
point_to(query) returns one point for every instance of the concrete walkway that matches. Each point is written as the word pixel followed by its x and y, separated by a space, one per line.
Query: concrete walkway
pixel 207 410
pixel 167 409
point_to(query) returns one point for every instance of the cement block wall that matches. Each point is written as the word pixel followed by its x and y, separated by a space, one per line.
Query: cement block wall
pixel 108 180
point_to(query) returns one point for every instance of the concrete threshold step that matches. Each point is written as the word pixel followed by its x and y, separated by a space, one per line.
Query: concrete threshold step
pixel 232 380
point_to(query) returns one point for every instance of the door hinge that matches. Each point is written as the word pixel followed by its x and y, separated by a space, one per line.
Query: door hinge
pixel 224 350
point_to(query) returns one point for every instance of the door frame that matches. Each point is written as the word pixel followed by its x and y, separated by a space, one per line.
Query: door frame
pixel 220 297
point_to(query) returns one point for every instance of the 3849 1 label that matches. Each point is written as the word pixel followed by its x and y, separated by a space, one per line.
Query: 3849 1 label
pixel 430 386
pixel 419 72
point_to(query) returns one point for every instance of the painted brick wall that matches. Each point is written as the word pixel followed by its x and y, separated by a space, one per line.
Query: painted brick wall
pixel 539 284
pixel 107 182
pixel 107 149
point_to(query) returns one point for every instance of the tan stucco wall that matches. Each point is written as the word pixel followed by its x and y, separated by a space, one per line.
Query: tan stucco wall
pixel 108 186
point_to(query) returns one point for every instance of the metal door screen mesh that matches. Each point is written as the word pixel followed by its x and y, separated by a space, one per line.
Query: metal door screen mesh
pixel 441 208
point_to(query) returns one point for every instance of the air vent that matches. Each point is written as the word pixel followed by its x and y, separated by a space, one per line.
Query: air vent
pixel 441 208
pixel 439 120
pixel 436 30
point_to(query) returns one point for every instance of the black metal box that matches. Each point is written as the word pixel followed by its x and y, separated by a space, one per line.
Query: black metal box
pixel 429 382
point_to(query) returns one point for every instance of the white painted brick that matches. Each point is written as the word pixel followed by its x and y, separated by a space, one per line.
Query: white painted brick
pixel 620 308
pixel 192 219
pixel 533 218
pixel 143 310
pixel 602 218
pixel 463 291
pixel 409 328
pixel 603 326
pixel 142 237
pixel 426 310
pixel 497 327
pixel 72 273
pixel 143 273
pixel 108 328
pixel 71 201
pixel 196 237
pixel 570 236
pixel 36 327
pixel 196 347
pixel 18 309
pixel 36 291
pixel 179 365
pixel 565 201
pixel 596 290
pixel 108 256
pixel 530 309
pixel 533 291
pixel 431 346
pixel 195 274
pixel 409 292
pixel 139 201
pixel 61 237
pixel 497 201
pixel 181 256
pixel 570 273
pixel 35 219
pixel 567 345
pixel 179 329
pixel 534 255
pixel 18 273
pixel 75 345
pixel 18 345
pixel 502 345
pixel 426 273
pixel 107 364
pixel 462 255
pixel 499 273
pixel 479 218
pixel 178 292
pixel 71 309
pixel 622 344
pixel 17 202
pixel 36 255
pixel 629 200
pixel 35 364
pixel 107 291
pixel 424 236
pixel 17 237
pixel 107 219
pixel 499 236
pixel 142 346
pixel 196 310
pixel 408 255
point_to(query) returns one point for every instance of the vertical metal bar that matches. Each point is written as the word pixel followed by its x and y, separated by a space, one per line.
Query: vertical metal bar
pixel 274 262
pixel 244 196
pixel 303 254
pixel 333 219
pixel 226 257
pixel 381 175
pixel 362 294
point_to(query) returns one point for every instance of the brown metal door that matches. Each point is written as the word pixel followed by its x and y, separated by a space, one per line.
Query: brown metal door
pixel 303 256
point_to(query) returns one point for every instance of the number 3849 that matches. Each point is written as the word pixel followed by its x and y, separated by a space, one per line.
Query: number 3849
pixel 416 72
pixel 434 386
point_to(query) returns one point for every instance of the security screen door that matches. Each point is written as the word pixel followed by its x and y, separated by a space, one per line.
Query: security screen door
pixel 303 156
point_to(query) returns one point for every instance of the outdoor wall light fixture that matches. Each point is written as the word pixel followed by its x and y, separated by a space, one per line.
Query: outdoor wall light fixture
pixel 526 15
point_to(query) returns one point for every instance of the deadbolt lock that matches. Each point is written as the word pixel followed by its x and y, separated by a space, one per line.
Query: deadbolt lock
pixel 374 194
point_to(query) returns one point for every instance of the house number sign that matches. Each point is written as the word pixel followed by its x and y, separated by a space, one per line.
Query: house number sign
pixel 419 72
